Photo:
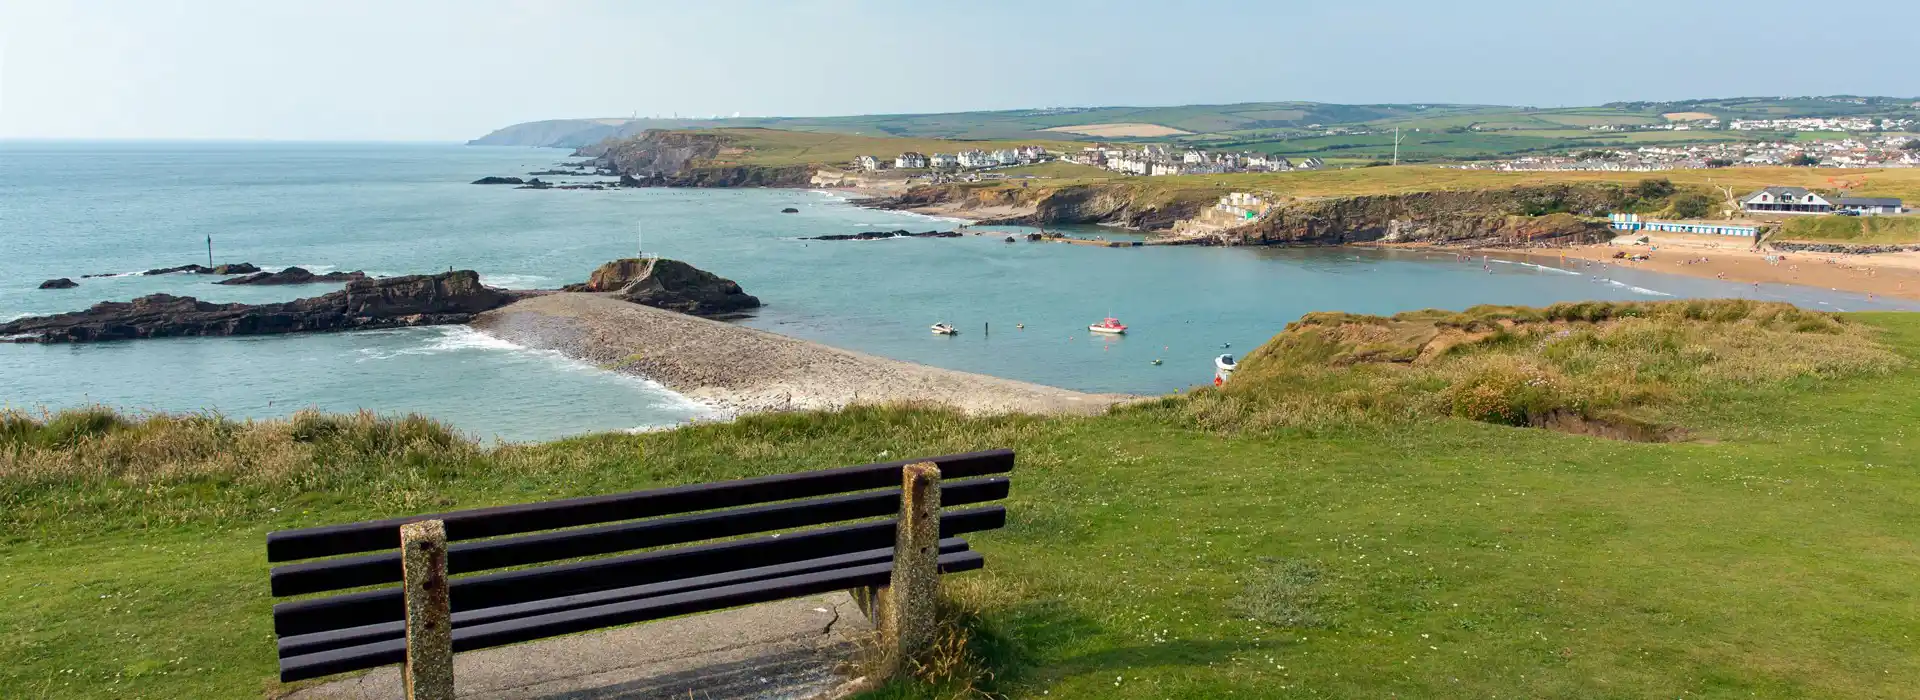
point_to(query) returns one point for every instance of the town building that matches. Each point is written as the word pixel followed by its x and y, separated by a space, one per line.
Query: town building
pixel 976 158
pixel 868 163
pixel 910 160
pixel 1032 153
pixel 1006 156
pixel 1786 200
pixel 943 160
pixel 1868 205
pixel 1311 163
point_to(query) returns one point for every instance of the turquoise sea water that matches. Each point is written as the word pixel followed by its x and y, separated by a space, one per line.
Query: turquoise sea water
pixel 68 209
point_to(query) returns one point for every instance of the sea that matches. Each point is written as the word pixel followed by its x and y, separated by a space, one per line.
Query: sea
pixel 113 208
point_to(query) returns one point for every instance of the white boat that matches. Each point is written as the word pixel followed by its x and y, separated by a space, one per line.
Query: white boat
pixel 1109 325
pixel 944 328
pixel 1223 369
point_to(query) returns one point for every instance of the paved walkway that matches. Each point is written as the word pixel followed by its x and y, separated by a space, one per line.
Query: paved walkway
pixel 784 650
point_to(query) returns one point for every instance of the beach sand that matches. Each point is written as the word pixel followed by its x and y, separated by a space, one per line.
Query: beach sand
pixel 748 370
pixel 1883 274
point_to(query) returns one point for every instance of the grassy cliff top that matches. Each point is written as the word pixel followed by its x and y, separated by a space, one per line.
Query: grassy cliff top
pixel 1355 515
pixel 775 147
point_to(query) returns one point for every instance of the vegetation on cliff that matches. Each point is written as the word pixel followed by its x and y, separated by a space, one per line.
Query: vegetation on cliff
pixel 1349 517
pixel 1867 230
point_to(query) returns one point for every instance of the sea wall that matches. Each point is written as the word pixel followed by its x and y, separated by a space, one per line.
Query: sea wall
pixel 1545 215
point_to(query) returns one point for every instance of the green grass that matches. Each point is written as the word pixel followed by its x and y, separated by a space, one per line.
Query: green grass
pixel 1850 229
pixel 1157 552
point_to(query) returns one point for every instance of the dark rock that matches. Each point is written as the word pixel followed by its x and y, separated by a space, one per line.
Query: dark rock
pixel 499 181
pixel 235 269
pixel 562 173
pixel 1846 248
pixel 222 269
pixel 535 184
pixel 789 210
pixel 413 300
pixel 876 235
pixel 62 283
pixel 295 275
pixel 668 284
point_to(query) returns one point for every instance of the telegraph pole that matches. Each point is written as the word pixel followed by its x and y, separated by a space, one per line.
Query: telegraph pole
pixel 209 250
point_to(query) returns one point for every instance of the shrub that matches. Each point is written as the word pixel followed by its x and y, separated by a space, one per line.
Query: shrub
pixel 1653 188
pixel 1692 205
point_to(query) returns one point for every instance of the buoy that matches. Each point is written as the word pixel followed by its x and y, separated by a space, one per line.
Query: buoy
pixel 1156 362
pixel 1226 345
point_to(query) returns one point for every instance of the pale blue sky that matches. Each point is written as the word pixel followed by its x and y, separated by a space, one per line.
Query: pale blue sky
pixel 446 70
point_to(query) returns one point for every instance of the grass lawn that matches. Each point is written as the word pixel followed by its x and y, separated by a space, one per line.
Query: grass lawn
pixel 1851 229
pixel 1194 548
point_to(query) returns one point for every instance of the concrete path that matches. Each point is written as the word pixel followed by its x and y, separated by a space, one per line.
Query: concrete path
pixel 787 650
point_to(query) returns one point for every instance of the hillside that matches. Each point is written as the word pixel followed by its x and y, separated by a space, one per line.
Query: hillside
pixel 1430 131
pixel 1699 499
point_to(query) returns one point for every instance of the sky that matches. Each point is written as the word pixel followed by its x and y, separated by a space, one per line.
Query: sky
pixel 440 70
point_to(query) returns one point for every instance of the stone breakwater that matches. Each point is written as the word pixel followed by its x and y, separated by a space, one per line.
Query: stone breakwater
pixel 748 370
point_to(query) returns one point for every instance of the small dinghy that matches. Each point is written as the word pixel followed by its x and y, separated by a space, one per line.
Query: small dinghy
pixel 944 328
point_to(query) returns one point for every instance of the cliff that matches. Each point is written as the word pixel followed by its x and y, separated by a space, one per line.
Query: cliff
pixel 1113 204
pixel 1540 215
pixel 660 158
pixel 552 133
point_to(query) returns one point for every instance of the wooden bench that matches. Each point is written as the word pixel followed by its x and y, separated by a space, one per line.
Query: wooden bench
pixel 874 516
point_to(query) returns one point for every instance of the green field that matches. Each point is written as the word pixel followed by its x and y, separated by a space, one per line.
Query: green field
pixel 1850 229
pixel 1334 523
pixel 1227 126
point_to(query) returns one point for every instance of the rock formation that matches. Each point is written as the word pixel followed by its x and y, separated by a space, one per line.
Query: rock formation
pixel 490 180
pixel 789 210
pixel 413 300
pixel 221 269
pixel 668 284
pixel 876 235
pixel 294 275
pixel 659 158
pixel 61 283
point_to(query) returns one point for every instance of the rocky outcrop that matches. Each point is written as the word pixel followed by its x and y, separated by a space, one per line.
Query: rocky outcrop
pixel 1522 216
pixel 1842 248
pixel 61 283
pixel 221 269
pixel 413 300
pixel 660 158
pixel 1113 204
pixel 668 284
pixel 294 275
pixel 876 235
pixel 789 210
pixel 492 180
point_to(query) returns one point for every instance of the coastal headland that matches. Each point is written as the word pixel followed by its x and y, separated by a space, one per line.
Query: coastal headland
pixel 1550 213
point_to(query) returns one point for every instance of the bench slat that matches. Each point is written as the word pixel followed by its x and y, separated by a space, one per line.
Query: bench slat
pixel 555 624
pixel 322 641
pixel 373 569
pixel 509 587
pixel 352 538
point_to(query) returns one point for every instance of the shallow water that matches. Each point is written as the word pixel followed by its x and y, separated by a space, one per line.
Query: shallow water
pixel 68 209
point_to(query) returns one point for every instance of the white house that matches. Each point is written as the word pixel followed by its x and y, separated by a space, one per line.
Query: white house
pixel 910 160
pixel 1006 156
pixel 1786 200
pixel 1167 169
pixel 868 163
pixel 1032 153
pixel 1271 163
pixel 943 160
pixel 1868 205
pixel 1193 157
pixel 975 159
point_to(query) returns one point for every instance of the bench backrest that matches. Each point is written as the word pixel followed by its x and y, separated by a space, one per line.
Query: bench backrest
pixel 363 629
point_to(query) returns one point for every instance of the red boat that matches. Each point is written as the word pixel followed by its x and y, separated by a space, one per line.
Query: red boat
pixel 1109 325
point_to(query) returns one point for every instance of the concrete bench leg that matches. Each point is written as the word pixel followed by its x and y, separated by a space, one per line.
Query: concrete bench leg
pixel 423 563
pixel 907 605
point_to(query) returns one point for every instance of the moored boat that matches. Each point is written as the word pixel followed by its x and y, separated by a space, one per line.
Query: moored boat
pixel 1109 325
pixel 944 328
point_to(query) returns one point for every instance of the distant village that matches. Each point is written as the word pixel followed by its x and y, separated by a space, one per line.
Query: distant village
pixel 1149 159
pixel 1885 151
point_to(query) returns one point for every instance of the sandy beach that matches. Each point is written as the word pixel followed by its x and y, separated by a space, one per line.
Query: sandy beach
pixel 1882 274
pixel 746 370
